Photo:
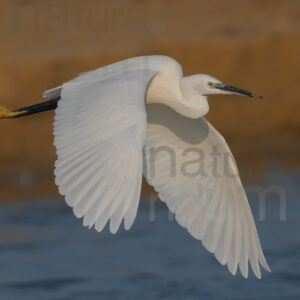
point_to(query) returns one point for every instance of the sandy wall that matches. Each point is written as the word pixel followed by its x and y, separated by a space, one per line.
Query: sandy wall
pixel 250 44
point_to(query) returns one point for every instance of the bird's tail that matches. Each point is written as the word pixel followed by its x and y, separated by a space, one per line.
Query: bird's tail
pixel 28 110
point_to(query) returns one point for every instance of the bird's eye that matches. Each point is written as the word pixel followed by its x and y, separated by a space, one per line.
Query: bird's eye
pixel 210 84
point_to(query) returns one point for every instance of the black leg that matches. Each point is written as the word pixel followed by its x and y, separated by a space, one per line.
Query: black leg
pixel 29 110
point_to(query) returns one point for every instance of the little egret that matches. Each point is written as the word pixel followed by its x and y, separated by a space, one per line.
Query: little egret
pixel 141 116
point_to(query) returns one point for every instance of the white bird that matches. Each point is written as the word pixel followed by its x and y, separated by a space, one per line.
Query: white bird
pixel 132 118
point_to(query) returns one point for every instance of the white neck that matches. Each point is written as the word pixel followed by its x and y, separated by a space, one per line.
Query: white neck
pixel 177 92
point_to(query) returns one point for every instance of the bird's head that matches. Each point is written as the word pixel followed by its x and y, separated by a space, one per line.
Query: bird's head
pixel 208 85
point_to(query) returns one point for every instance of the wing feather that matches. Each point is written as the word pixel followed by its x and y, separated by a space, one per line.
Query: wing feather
pixel 99 134
pixel 209 201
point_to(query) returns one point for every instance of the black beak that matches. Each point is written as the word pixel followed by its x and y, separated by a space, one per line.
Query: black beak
pixel 232 89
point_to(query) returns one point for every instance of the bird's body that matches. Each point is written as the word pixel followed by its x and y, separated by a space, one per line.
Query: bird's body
pixel 140 117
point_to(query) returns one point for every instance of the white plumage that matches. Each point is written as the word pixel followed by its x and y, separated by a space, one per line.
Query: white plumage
pixel 112 122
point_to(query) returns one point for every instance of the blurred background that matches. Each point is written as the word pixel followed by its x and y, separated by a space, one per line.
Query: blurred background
pixel 252 44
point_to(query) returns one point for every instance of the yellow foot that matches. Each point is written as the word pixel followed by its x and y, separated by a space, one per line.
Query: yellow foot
pixel 6 113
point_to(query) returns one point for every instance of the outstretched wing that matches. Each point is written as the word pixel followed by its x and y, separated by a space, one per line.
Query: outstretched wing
pixel 191 167
pixel 99 134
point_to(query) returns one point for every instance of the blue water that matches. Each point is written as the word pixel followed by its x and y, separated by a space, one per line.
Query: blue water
pixel 45 253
